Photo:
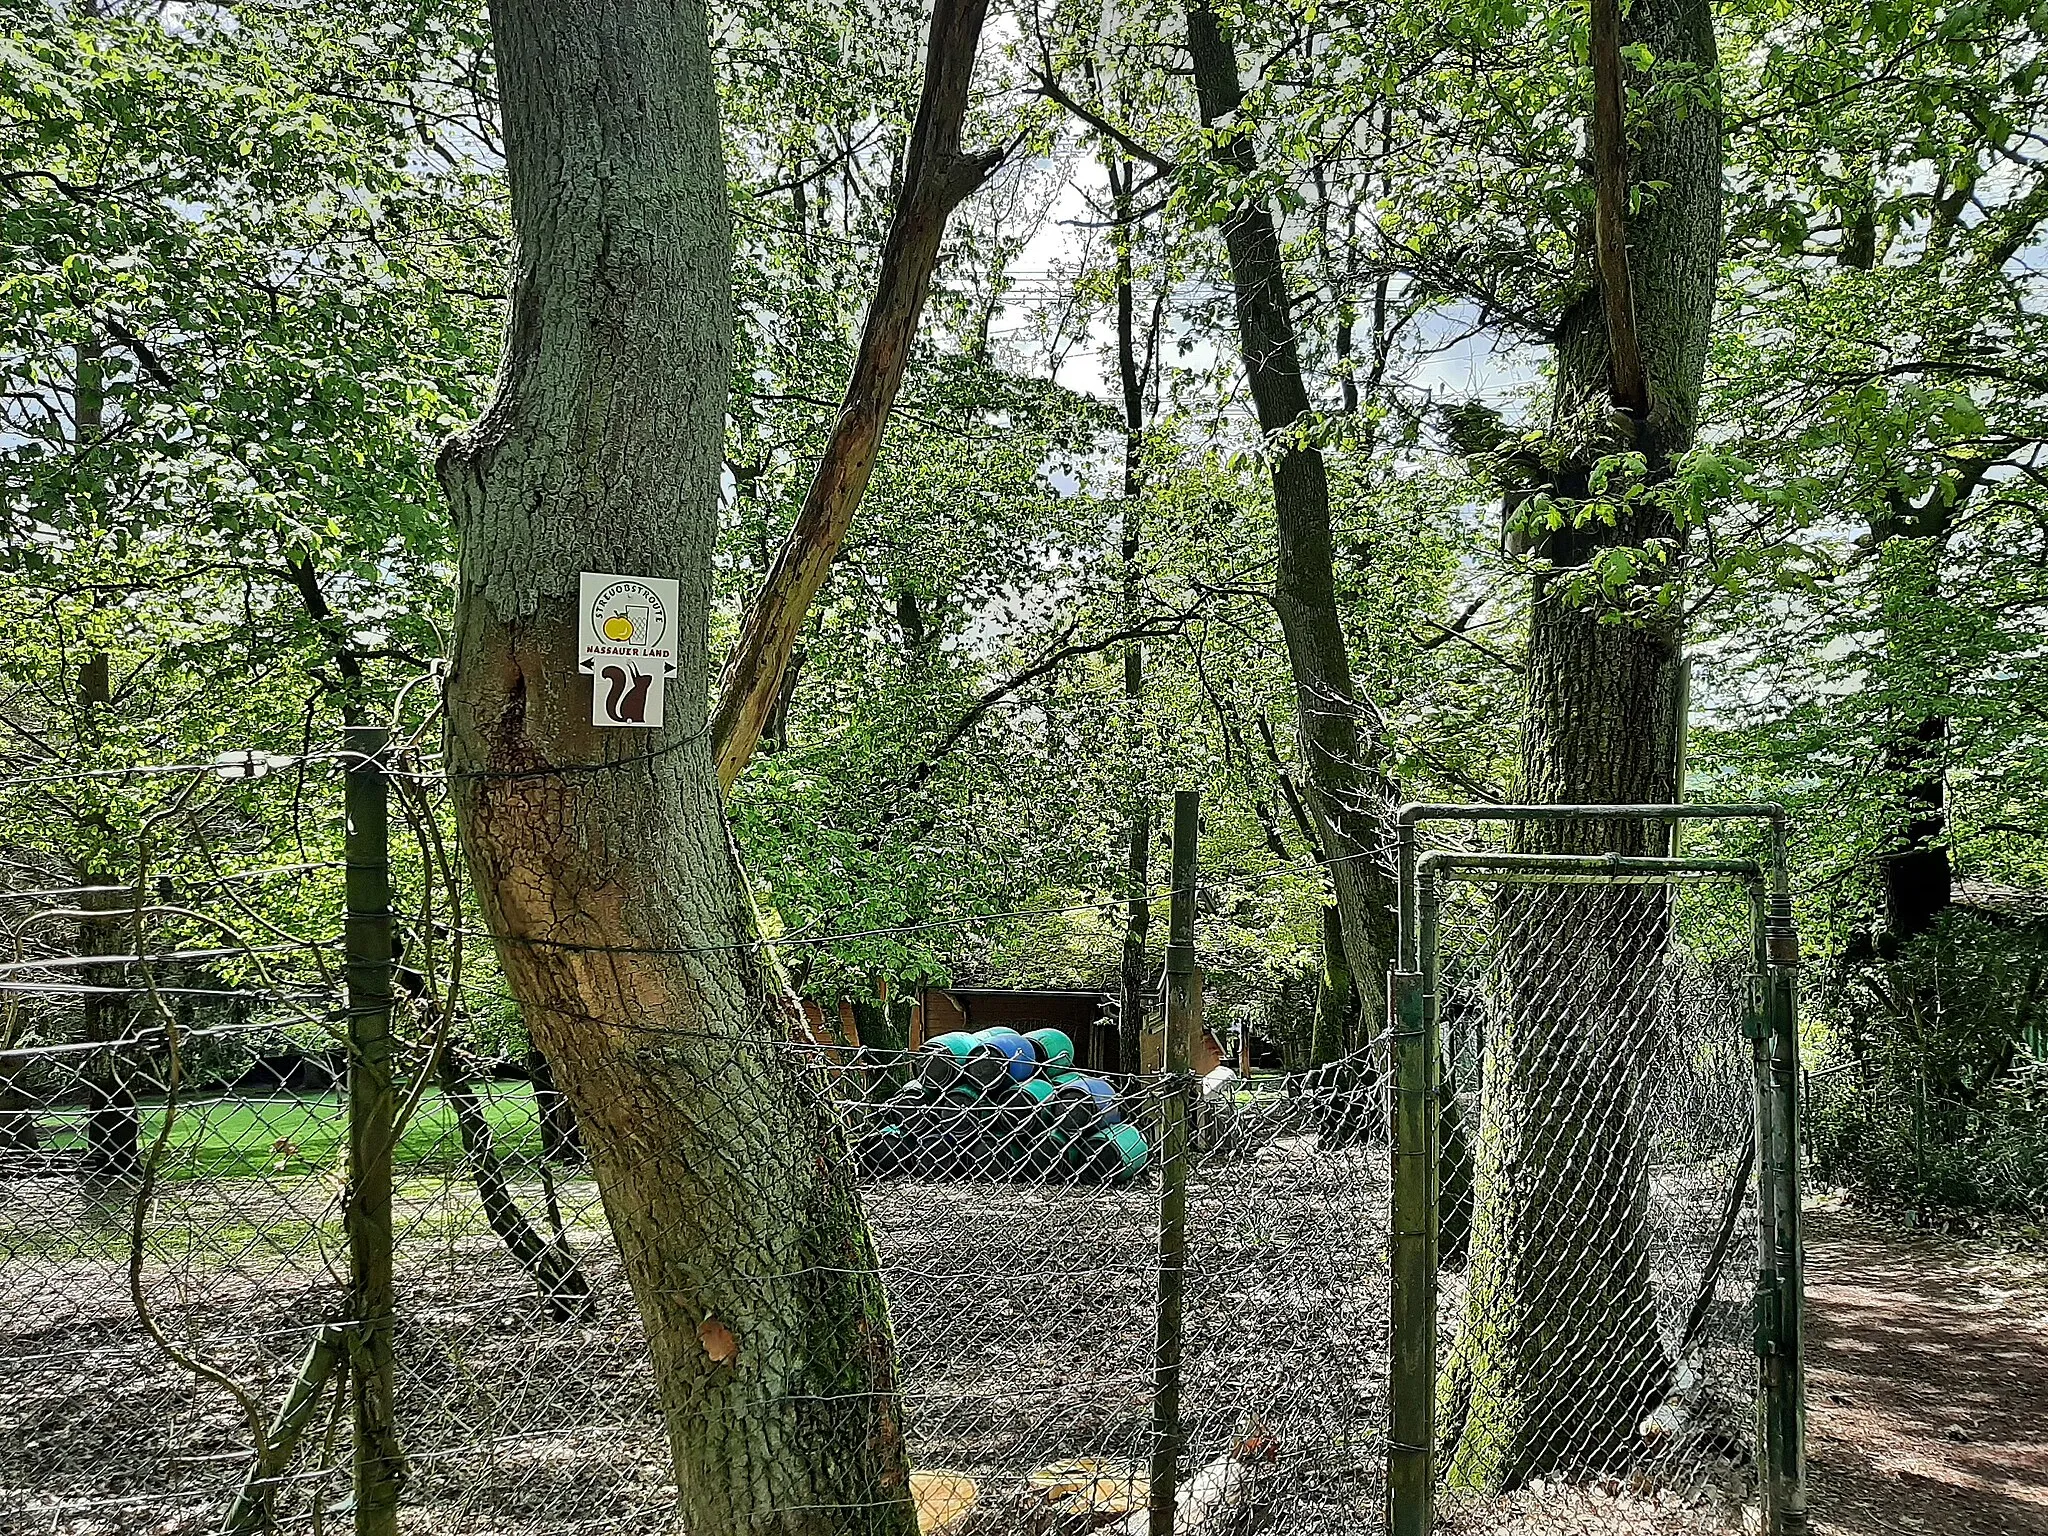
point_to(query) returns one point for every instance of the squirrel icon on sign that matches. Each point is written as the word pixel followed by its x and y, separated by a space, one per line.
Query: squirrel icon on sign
pixel 625 701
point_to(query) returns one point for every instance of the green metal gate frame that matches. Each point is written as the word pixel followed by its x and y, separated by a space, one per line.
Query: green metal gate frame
pixel 1772 1026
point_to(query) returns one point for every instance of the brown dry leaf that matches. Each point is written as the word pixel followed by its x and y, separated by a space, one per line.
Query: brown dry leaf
pixel 718 1341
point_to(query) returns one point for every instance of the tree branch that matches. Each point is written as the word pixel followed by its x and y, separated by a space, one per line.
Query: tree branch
pixel 1059 96
pixel 938 176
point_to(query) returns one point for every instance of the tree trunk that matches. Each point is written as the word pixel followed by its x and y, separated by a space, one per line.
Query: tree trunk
pixel 113 1127
pixel 601 857
pixel 1336 999
pixel 1918 879
pixel 560 1142
pixel 1559 1355
pixel 549 1263
pixel 1131 967
pixel 1919 883
pixel 1349 787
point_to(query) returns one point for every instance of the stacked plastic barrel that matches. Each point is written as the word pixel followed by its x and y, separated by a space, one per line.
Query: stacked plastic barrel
pixel 1002 1104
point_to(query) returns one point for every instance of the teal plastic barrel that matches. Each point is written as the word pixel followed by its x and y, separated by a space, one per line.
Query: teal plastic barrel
pixel 1055 1050
pixel 939 1059
pixel 1117 1155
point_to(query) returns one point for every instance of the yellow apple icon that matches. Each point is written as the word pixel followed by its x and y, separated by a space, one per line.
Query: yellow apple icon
pixel 618 628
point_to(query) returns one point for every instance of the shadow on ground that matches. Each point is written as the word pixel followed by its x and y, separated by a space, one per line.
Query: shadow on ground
pixel 1927 1384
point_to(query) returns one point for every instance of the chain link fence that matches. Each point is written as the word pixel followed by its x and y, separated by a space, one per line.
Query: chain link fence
pixel 176 1340
pixel 1601 1206
pixel 1018 1246
pixel 1604 1047
pixel 1089 1305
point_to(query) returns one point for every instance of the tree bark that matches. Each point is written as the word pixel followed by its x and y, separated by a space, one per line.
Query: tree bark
pixel 1350 790
pixel 1559 1354
pixel 1911 541
pixel 601 857
pixel 1336 1004
pixel 1131 966
pixel 113 1127
pixel 937 178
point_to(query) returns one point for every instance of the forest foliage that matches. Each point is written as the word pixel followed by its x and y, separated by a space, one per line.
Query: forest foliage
pixel 252 267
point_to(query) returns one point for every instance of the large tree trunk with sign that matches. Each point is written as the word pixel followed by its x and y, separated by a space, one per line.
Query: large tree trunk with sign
pixel 601 856
pixel 1559 1355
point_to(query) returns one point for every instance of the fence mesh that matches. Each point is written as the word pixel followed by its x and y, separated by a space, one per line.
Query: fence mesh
pixel 175 1252
pixel 1016 1226
pixel 1600 1231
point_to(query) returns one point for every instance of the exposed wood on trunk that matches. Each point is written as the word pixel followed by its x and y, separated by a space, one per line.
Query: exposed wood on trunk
pixel 1341 737
pixel 601 858
pixel 1610 209
pixel 937 177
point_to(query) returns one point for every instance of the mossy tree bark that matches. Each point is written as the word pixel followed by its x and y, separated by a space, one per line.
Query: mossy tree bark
pixel 1560 1353
pixel 601 857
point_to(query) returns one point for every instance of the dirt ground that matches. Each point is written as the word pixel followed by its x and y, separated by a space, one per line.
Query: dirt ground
pixel 1927 1382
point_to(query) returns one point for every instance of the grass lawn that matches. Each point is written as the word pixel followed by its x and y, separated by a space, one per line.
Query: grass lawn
pixel 228 1138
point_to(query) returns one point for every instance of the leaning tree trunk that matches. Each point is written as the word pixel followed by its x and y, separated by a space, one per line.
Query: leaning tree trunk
pixel 1560 1353
pixel 601 857
pixel 1342 745
pixel 1132 959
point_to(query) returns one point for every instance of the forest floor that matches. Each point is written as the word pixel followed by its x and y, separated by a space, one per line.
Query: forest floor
pixel 1927 1381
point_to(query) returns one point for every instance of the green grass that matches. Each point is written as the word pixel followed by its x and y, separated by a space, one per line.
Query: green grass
pixel 234 1138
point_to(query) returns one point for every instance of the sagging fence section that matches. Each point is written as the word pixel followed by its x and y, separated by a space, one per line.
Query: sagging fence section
pixel 296 1235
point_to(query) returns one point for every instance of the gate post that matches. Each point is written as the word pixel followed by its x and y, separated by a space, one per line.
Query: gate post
pixel 366 1209
pixel 1183 1018
pixel 1411 1438
pixel 1781 992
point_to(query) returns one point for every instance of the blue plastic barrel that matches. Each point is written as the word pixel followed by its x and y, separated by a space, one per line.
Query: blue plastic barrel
pixel 1021 1060
pixel 1086 1103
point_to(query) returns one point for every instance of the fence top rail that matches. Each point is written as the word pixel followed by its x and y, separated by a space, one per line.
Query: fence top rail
pixel 1742 810
pixel 1581 868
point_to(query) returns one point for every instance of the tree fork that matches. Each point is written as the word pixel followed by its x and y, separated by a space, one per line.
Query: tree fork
pixel 602 860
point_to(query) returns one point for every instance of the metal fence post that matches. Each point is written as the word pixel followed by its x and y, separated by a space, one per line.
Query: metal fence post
pixel 1411 1440
pixel 1183 1010
pixel 1757 1025
pixel 1782 992
pixel 379 1465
